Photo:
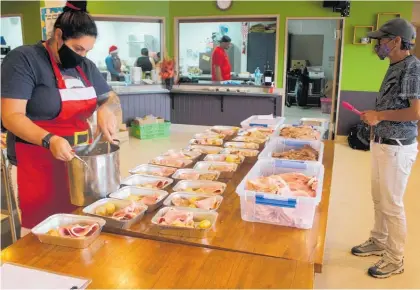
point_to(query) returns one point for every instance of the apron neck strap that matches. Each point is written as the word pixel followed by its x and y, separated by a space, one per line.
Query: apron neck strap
pixel 83 75
pixel 58 76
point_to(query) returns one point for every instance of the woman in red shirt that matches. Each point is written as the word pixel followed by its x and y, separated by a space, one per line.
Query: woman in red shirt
pixel 220 61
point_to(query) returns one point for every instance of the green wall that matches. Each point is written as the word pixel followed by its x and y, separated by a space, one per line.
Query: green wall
pixel 362 70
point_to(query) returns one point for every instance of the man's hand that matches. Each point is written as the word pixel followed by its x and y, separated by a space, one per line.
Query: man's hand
pixel 61 149
pixel 107 122
pixel 371 118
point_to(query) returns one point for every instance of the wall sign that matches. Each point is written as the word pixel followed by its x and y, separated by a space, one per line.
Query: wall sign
pixel 48 17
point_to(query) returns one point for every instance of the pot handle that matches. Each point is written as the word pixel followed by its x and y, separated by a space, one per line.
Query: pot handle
pixel 117 140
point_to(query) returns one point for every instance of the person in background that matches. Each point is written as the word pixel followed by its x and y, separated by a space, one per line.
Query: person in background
pixel 113 64
pixel 220 65
pixel 394 146
pixel 145 61
pixel 157 59
pixel 48 92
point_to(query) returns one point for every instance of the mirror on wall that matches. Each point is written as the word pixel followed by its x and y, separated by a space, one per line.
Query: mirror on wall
pixel 128 43
pixel 11 33
pixel 247 46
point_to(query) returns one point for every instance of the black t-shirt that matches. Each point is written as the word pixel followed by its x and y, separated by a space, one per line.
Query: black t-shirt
pixel 145 63
pixel 26 73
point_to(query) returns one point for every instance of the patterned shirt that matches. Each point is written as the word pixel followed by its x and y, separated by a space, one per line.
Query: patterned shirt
pixel 400 85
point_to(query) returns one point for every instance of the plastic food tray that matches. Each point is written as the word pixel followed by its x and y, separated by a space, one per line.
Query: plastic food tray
pixel 138 180
pixel 277 133
pixel 205 149
pixel 242 145
pixel 262 121
pixel 298 212
pixel 222 158
pixel 199 215
pixel 202 141
pixel 267 132
pixel 176 175
pixel 126 191
pixel 157 160
pixel 250 140
pixel 168 201
pixel 223 129
pixel 58 220
pixel 184 184
pixel 279 145
pixel 151 170
pixel 241 152
pixel 119 203
pixel 189 154
pixel 205 165
pixel 209 135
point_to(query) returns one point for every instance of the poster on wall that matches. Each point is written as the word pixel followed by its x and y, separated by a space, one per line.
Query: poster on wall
pixel 48 17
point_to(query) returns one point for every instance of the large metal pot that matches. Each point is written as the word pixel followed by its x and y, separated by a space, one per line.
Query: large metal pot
pixel 98 178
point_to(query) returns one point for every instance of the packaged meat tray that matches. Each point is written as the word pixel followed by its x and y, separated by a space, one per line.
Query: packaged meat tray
pixel 201 186
pixel 229 131
pixel 260 133
pixel 209 135
pixel 265 121
pixel 191 200
pixel 249 154
pixel 226 169
pixel 117 213
pixel 207 141
pixel 288 201
pixel 189 223
pixel 69 230
pixel 151 197
pixel 182 154
pixel 194 174
pixel 231 158
pixel 307 151
pixel 171 162
pixel 205 149
pixel 307 133
pixel 153 170
pixel 242 145
pixel 145 181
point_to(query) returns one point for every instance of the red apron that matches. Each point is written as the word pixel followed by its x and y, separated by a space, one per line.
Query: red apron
pixel 42 180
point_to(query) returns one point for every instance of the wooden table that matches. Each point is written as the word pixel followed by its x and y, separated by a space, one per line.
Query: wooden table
pixel 114 261
pixel 233 234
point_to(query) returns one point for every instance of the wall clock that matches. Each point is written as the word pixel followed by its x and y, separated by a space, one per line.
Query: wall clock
pixel 224 4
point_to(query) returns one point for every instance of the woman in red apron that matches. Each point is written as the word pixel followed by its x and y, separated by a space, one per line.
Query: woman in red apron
pixel 49 91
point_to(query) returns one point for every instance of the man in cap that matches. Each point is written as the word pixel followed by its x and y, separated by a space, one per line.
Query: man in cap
pixel 113 64
pixel 220 65
pixel 394 145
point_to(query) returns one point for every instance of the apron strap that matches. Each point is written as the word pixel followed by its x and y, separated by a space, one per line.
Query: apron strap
pixel 58 76
pixel 83 75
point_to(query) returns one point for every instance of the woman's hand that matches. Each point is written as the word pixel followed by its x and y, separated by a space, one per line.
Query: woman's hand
pixel 61 149
pixel 107 122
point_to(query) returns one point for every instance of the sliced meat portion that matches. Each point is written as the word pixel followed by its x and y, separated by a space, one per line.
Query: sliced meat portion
pixel 300 132
pixel 78 230
pixel 174 217
pixel 150 199
pixel 127 213
pixel 209 203
pixel 305 153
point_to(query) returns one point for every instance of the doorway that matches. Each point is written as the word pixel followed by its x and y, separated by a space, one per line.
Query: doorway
pixel 312 61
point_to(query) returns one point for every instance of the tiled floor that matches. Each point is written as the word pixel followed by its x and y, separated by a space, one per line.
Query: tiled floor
pixel 294 114
pixel 350 220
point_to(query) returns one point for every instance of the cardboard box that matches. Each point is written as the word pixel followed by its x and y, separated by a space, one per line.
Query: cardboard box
pixel 147 120
pixel 298 63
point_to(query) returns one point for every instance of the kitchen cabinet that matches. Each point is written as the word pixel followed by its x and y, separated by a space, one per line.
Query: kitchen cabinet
pixel 261 48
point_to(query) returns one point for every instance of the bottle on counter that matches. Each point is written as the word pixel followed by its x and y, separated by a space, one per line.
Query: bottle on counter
pixel 268 75
pixel 257 77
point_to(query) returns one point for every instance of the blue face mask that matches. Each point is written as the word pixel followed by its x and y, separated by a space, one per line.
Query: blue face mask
pixel 382 50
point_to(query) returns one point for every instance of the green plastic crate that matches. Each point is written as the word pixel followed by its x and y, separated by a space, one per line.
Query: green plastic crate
pixel 151 131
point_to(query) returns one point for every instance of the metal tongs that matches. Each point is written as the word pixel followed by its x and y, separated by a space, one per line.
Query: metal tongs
pixel 93 144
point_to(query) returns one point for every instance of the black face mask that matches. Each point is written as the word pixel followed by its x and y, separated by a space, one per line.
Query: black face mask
pixel 69 58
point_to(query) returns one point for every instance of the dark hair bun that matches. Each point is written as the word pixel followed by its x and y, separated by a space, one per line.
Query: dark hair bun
pixel 75 6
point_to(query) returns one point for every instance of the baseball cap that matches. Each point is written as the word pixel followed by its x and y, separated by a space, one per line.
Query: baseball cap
pixel 395 27
pixel 225 38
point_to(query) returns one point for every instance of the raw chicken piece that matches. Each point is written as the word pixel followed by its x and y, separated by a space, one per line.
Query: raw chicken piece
pixel 300 132
pixel 174 217
pixel 305 153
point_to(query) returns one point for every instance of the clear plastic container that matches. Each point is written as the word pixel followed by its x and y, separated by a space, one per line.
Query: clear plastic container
pixel 145 181
pixel 198 216
pixel 172 162
pixel 280 145
pixel 205 149
pixel 153 170
pixel 258 132
pixel 195 174
pixel 228 172
pixel 298 212
pixel 317 122
pixel 242 145
pixel 227 130
pixel 262 121
pixel 203 186
pixel 318 129
pixel 61 220
pixel 168 201
pixel 127 191
pixel 249 154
